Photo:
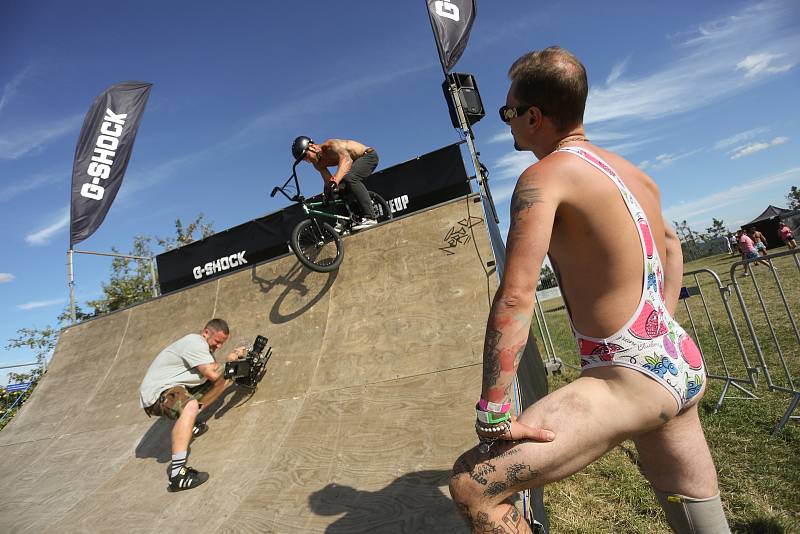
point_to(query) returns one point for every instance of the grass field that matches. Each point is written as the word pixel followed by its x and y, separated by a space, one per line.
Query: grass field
pixel 759 474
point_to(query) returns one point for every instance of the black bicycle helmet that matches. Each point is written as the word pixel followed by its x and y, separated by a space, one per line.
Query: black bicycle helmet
pixel 300 147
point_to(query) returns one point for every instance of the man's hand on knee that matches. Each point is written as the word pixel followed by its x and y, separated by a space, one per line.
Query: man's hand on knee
pixel 520 431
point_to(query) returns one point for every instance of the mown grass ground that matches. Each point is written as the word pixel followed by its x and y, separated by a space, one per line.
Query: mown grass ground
pixel 759 474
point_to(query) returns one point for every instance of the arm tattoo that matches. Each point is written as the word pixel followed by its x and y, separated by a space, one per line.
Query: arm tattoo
pixel 491 358
pixel 522 202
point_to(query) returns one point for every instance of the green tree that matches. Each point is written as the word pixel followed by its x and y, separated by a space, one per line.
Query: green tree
pixel 185 234
pixel 717 229
pixel 547 278
pixel 794 198
pixel 130 282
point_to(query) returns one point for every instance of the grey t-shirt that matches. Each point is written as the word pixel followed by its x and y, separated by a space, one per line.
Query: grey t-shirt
pixel 175 366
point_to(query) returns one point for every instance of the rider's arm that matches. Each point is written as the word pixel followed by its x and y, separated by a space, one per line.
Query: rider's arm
pixel 324 172
pixel 673 268
pixel 345 161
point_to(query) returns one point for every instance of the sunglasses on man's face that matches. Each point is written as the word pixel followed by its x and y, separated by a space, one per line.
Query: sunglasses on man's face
pixel 507 112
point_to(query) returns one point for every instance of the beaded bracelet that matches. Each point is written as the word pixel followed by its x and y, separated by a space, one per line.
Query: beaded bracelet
pixel 500 429
pixel 488 406
pixel 485 443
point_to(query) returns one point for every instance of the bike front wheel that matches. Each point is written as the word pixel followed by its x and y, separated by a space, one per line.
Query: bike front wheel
pixel 317 245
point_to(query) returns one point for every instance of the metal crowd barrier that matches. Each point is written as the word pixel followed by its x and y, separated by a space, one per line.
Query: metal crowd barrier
pixel 778 372
pixel 729 370
pixel 768 351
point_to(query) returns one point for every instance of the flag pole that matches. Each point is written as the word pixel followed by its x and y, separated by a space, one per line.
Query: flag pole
pixel 71 282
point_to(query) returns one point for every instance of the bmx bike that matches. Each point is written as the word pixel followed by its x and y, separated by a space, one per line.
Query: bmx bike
pixel 316 243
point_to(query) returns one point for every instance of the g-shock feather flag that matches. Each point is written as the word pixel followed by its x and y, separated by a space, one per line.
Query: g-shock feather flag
pixel 451 21
pixel 101 157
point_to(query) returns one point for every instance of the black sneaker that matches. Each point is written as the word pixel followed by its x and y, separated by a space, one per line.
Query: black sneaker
pixel 187 478
pixel 199 429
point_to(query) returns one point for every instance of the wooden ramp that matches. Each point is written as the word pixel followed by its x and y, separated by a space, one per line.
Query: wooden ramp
pixel 367 401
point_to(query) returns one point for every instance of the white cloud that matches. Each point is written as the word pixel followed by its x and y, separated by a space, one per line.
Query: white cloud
pixel 512 164
pixel 40 304
pixel 716 201
pixel 751 148
pixel 756 64
pixel 6 277
pixel 739 137
pixel 502 137
pixel 42 237
pixel 616 71
pixel 665 160
pixel 707 71
pixel 10 89
pixel 631 146
pixel 254 130
pixel 16 144
pixel 23 185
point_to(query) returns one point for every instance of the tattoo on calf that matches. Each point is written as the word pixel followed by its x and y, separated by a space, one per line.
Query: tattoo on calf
pixel 511 519
pixel 495 489
pixel 520 473
pixel 480 472
pixel 522 201
pixel 483 525
pixel 516 474
pixel 509 452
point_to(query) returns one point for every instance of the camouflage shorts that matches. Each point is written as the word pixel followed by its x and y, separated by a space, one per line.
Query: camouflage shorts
pixel 171 402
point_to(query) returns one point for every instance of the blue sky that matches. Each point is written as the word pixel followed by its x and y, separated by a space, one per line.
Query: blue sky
pixel 701 95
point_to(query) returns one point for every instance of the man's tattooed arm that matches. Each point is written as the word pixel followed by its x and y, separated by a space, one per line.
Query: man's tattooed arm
pixel 522 201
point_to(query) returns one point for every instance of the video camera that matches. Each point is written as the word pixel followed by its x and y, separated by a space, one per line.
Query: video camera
pixel 249 371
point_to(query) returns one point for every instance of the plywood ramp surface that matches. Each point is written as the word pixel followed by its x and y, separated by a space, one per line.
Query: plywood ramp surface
pixel 367 401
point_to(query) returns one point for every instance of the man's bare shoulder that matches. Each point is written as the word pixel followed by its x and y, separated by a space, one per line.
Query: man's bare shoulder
pixel 344 146
pixel 549 174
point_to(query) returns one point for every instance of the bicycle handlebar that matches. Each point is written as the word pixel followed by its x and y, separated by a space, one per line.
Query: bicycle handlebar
pixel 297 197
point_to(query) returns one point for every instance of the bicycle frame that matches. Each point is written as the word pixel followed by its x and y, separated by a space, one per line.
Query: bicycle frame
pixel 309 207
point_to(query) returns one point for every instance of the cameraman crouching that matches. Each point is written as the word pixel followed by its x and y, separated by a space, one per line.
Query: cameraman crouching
pixel 182 380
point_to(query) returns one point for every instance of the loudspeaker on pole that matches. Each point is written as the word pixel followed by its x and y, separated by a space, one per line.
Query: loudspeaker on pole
pixel 470 98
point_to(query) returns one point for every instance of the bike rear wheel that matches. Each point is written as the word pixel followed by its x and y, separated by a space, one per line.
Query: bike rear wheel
pixel 381 208
pixel 317 245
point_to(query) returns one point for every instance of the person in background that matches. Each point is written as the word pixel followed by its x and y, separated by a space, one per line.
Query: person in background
pixel 786 236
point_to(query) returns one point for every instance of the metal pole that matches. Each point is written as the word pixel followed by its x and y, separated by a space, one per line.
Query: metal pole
pixel 462 119
pixel 153 277
pixel 150 259
pixel 113 255
pixel 20 365
pixel 71 283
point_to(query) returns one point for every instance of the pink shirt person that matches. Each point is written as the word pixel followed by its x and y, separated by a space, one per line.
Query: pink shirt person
pixel 746 244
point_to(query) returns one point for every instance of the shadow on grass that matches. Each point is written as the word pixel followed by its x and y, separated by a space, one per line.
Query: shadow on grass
pixel 758 526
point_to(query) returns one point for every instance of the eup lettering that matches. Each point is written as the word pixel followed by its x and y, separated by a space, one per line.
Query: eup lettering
pixel 447 9
pixel 104 151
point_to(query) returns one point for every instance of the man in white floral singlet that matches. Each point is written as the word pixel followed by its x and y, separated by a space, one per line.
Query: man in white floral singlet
pixel 598 218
